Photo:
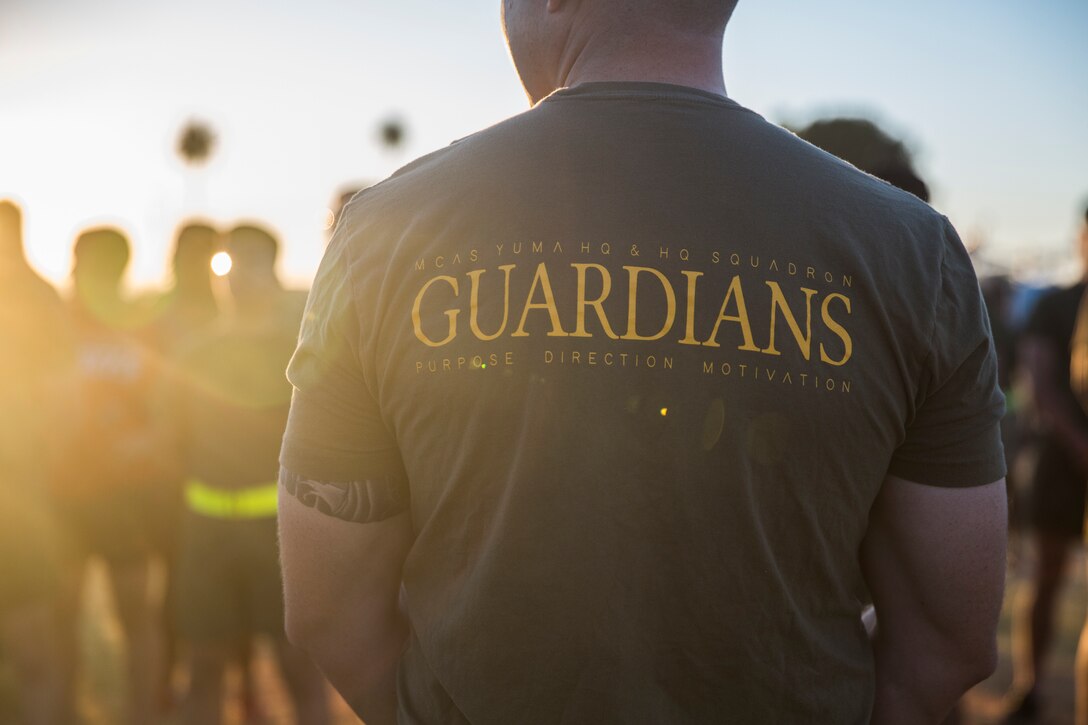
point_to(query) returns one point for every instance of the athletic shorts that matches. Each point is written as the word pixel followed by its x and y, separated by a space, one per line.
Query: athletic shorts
pixel 164 509
pixel 228 579
pixel 1057 494
pixel 112 525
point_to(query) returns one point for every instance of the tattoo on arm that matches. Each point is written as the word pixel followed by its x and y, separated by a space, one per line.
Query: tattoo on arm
pixel 360 502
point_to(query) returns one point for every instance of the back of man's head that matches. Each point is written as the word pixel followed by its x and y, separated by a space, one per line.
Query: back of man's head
pixel 656 19
pixel 693 15
pixel 559 43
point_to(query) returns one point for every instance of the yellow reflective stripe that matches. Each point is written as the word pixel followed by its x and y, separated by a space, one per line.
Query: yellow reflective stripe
pixel 248 503
pixel 207 501
pixel 257 501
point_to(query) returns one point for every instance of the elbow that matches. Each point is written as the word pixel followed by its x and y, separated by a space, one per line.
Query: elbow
pixel 296 633
pixel 970 665
pixel 929 679
pixel 981 664
pixel 304 631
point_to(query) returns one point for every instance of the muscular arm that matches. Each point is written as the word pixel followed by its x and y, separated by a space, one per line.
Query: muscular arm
pixel 934 560
pixel 341 587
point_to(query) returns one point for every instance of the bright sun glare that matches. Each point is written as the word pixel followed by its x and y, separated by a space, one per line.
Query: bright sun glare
pixel 221 264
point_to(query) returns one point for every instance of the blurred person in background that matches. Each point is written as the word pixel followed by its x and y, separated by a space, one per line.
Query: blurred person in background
pixel 1056 498
pixel 112 458
pixel 1078 377
pixel 182 313
pixel 35 368
pixel 189 305
pixel 230 418
pixel 1079 383
pixel 998 292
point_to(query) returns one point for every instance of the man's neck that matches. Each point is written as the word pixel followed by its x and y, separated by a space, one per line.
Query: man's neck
pixel 692 61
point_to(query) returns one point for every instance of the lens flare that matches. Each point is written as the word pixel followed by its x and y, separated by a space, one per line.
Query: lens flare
pixel 328 219
pixel 221 264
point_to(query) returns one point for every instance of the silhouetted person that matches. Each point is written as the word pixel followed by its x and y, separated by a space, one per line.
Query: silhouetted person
pixel 190 304
pixel 231 419
pixel 113 457
pixel 998 292
pixel 1079 384
pixel 183 312
pixel 1056 500
pixel 34 366
pixel 612 412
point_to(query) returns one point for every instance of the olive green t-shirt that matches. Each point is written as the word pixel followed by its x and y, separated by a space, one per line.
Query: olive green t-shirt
pixel 230 399
pixel 637 362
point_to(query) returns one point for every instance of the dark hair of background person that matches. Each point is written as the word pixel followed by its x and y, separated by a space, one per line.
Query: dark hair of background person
pixel 191 302
pixel 861 142
pixel 250 240
pixel 103 251
pixel 194 245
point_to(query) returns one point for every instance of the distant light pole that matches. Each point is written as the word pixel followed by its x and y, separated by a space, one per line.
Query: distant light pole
pixel 391 133
pixel 195 147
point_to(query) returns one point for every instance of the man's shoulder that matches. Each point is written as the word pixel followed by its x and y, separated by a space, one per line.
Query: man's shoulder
pixel 588 147
pixel 465 175
pixel 846 192
pixel 886 221
pixel 452 162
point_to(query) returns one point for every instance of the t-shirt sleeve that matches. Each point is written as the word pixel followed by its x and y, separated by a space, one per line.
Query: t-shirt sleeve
pixel 338 455
pixel 954 436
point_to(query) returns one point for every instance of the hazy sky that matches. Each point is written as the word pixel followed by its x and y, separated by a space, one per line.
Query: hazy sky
pixel 991 96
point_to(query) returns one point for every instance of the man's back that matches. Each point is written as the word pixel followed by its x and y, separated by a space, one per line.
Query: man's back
pixel 639 363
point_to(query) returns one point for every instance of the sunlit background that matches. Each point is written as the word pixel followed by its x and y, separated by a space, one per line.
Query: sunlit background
pixel 990 96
